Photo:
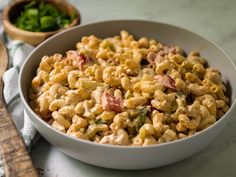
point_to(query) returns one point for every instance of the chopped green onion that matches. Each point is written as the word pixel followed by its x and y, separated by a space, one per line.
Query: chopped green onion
pixel 100 121
pixel 47 22
pixel 42 17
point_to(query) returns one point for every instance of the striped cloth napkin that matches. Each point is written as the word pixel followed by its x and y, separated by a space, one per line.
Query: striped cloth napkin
pixel 18 52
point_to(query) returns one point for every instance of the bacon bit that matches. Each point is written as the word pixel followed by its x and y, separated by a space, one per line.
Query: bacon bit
pixel 170 49
pixel 173 49
pixel 83 60
pixel 111 103
pixel 78 58
pixel 165 50
pixel 166 80
pixel 153 57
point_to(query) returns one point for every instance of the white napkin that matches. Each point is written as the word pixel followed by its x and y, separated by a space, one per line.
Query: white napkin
pixel 18 52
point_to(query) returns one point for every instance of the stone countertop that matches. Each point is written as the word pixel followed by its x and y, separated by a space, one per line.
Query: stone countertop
pixel 213 19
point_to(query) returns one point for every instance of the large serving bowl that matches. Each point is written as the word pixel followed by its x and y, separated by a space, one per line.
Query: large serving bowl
pixel 124 157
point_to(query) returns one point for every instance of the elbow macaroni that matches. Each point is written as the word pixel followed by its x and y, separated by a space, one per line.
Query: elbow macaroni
pixel 123 91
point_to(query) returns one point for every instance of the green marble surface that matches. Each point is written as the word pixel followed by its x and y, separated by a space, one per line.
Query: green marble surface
pixel 213 19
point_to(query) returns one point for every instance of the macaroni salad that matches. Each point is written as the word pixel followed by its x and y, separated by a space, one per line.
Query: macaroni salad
pixel 124 91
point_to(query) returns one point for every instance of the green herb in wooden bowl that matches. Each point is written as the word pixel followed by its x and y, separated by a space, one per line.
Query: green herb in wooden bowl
pixel 35 21
pixel 43 17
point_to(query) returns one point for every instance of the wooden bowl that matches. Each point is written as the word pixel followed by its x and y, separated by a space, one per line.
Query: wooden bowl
pixel 11 11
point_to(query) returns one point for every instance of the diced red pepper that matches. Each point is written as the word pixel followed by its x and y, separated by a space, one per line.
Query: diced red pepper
pixel 78 58
pixel 153 57
pixel 167 81
pixel 111 103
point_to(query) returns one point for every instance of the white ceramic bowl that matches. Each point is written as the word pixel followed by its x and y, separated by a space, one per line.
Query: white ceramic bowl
pixel 122 157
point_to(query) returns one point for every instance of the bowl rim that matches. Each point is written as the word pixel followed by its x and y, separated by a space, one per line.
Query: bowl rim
pixel 39 119
pixel 67 5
